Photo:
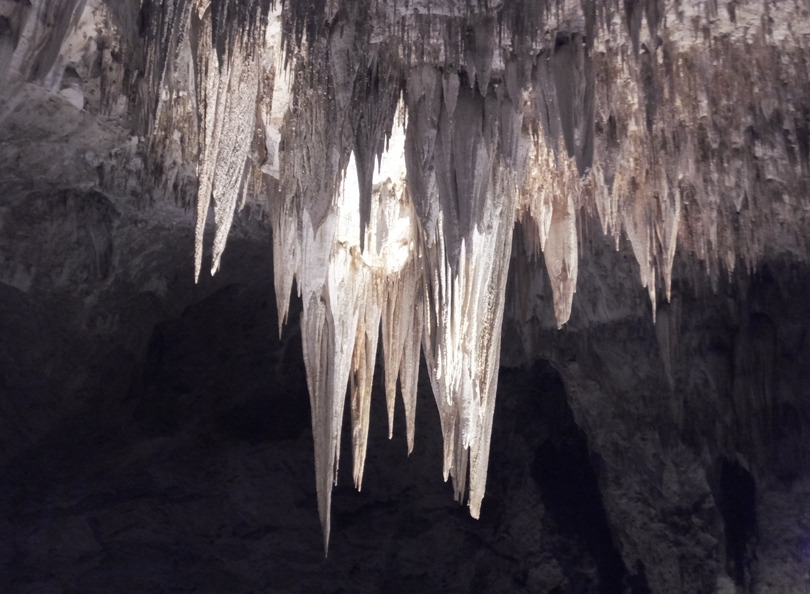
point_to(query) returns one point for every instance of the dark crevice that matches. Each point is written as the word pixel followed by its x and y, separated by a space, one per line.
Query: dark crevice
pixel 564 471
pixel 737 503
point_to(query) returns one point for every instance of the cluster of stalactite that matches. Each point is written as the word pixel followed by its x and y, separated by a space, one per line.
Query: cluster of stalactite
pixel 397 145
pixel 398 148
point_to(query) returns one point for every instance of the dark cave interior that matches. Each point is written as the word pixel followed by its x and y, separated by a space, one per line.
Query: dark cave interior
pixel 737 503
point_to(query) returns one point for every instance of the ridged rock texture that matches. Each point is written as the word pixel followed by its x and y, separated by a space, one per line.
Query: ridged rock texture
pixel 460 186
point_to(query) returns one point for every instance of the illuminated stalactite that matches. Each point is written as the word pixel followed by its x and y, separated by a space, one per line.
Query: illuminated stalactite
pixel 398 147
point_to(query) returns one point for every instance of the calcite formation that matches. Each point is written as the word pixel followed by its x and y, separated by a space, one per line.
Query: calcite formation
pixel 397 145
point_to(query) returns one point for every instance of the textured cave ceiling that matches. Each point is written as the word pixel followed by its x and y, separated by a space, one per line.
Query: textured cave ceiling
pixel 393 203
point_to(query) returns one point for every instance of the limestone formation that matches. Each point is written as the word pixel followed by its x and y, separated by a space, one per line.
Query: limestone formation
pixel 417 159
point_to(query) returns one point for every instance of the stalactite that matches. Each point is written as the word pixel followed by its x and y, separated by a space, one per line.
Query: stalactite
pixel 398 150
pixel 227 95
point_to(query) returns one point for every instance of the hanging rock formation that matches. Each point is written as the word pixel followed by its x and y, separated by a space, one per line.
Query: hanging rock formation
pixel 396 146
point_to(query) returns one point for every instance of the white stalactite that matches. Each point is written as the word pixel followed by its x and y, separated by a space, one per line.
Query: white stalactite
pixel 542 129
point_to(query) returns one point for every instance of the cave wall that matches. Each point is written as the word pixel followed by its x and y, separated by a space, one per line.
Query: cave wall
pixel 717 382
